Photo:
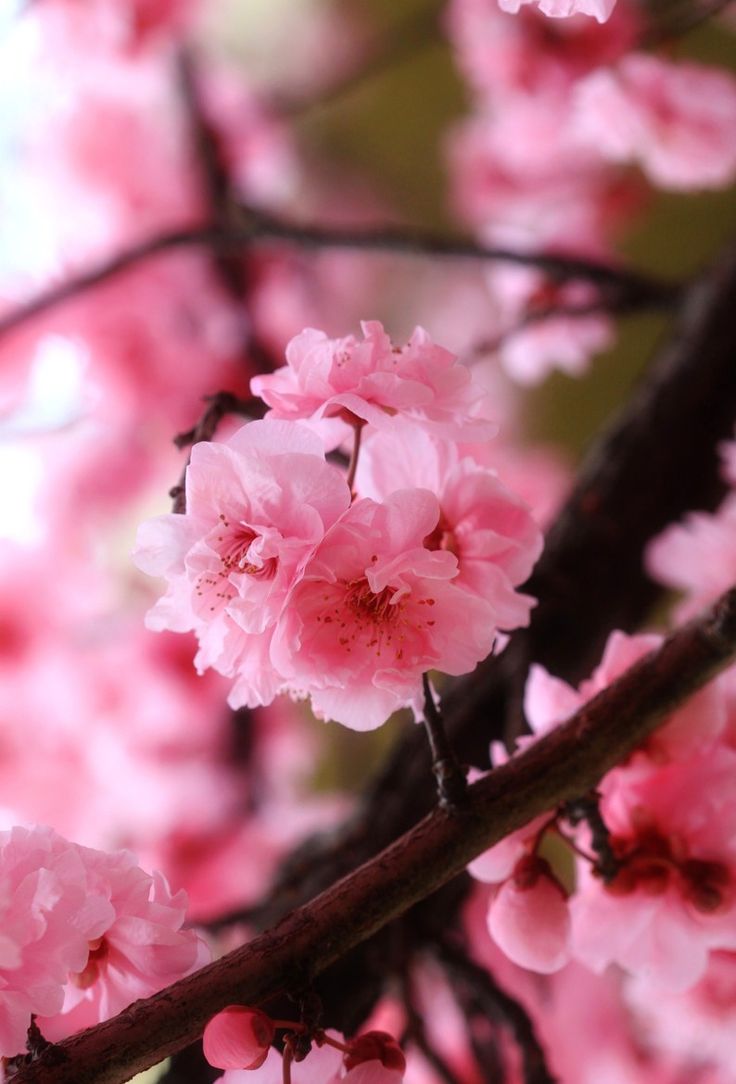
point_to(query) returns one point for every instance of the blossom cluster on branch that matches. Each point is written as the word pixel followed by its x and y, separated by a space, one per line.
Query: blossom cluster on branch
pixel 190 194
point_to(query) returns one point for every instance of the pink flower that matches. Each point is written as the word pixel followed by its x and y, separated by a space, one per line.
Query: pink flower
pixel 84 933
pixel 373 380
pixel 135 943
pixel 488 529
pixel 549 700
pixel 674 899
pixel 321 1066
pixel 256 508
pixel 238 1038
pixel 374 610
pixel 677 120
pixel 672 829
pixel 324 1064
pixel 528 915
pixel 559 342
pixel 41 896
pixel 375 1046
pixel 564 9
pixel 529 918
pixel 499 55
pixel 697 556
pixel 700 1020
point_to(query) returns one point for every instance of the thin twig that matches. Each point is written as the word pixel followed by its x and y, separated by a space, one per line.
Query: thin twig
pixel 553 770
pixel 452 784
pixel 587 808
pixel 230 268
pixel 220 404
pixel 678 23
pixel 619 286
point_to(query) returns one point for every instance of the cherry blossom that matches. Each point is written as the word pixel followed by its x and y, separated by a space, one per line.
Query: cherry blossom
pixel 673 900
pixel 374 610
pixel 697 556
pixel 528 917
pixel 500 56
pixel 238 1038
pixel 676 120
pixel 372 381
pixel 257 506
pixel 600 10
pixel 84 934
pixel 487 528
pixel 41 895
pixel 136 944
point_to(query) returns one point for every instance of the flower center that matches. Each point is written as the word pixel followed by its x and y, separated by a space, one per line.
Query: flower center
pixel 235 551
pixel 649 863
pixel 442 538
pixel 98 953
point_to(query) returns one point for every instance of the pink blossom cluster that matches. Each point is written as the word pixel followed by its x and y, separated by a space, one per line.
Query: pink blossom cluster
pixel 84 933
pixel 671 902
pixel 297 578
pixel 697 557
pixel 558 110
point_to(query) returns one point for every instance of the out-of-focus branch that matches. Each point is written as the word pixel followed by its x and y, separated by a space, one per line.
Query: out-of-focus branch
pixel 218 406
pixel 482 995
pixel 220 196
pixel 669 21
pixel 621 288
pixel 555 769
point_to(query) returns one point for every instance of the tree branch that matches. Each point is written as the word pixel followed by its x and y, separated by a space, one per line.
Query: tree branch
pixel 621 288
pixel 557 768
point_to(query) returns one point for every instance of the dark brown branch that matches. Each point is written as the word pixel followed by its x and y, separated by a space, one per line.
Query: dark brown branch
pixel 451 782
pixel 620 287
pixel 484 995
pixel 220 196
pixel 554 770
pixel 613 282
pixel 109 268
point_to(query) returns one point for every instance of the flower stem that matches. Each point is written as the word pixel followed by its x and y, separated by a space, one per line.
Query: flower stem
pixel 451 781
pixel 353 464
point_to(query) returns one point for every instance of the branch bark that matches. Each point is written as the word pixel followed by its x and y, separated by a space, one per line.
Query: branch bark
pixel 622 289
pixel 555 769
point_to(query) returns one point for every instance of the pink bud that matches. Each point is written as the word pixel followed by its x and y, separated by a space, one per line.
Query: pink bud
pixel 238 1038
pixel 376 1046
pixel 529 919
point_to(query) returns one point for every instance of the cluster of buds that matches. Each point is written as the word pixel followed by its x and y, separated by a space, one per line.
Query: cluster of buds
pixel 241 1038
